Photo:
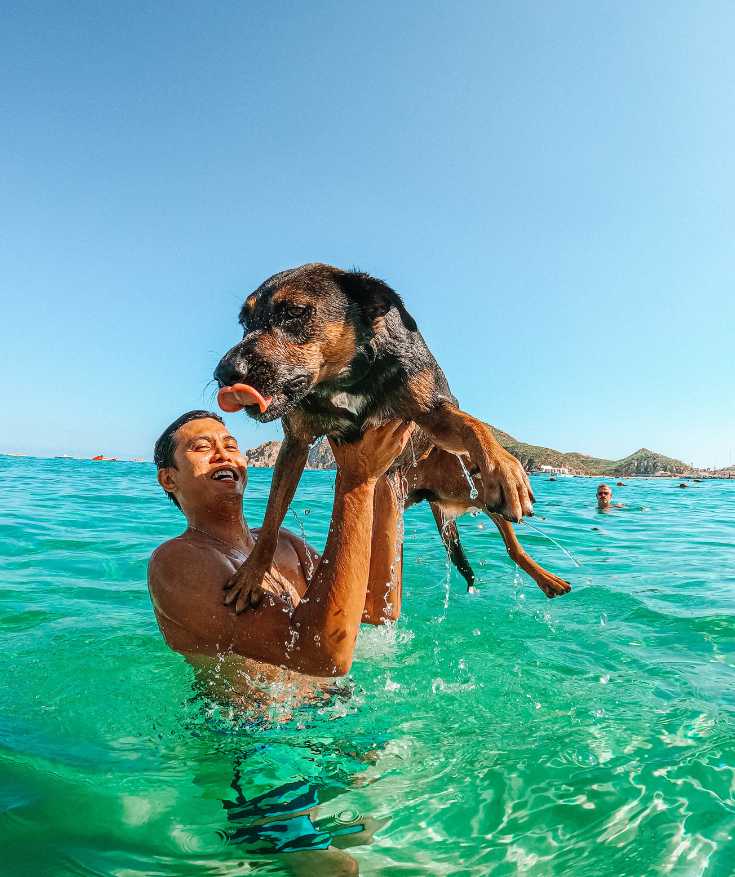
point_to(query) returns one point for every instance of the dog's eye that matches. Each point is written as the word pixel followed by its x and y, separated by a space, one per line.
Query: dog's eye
pixel 295 312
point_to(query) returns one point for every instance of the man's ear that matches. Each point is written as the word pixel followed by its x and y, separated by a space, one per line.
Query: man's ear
pixel 375 297
pixel 166 479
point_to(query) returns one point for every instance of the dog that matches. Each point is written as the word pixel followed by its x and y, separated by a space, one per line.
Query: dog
pixel 439 479
pixel 334 352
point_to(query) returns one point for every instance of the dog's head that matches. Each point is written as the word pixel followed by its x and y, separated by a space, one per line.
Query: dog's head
pixel 303 327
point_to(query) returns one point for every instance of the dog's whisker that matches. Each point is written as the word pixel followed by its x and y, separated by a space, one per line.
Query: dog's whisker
pixel 213 394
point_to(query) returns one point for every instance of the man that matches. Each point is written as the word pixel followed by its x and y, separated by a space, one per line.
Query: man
pixel 307 624
pixel 304 628
pixel 604 499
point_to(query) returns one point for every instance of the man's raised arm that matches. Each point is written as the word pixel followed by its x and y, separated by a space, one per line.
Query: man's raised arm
pixel 318 636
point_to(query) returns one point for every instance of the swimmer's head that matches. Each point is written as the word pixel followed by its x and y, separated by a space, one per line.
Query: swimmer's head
pixel 604 496
pixel 199 462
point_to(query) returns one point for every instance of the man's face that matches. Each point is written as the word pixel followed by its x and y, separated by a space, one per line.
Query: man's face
pixel 604 496
pixel 209 466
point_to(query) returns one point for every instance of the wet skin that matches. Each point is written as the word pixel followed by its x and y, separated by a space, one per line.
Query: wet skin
pixel 314 636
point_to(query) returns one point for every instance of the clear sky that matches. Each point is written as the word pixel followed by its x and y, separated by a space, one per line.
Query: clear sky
pixel 550 186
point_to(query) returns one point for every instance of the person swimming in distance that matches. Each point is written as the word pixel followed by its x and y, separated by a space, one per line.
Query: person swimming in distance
pixel 604 499
pixel 303 632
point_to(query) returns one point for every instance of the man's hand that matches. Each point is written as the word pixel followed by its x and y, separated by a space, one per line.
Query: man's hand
pixel 361 462
pixel 365 460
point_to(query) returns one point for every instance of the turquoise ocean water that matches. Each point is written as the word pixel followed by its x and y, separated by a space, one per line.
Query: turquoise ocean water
pixel 498 733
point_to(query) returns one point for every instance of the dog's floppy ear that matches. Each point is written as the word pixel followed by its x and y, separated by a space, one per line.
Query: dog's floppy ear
pixel 375 297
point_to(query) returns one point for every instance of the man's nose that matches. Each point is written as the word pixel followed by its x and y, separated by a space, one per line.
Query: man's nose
pixel 231 369
pixel 219 451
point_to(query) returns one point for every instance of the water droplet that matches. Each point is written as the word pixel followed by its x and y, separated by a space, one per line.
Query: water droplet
pixel 468 478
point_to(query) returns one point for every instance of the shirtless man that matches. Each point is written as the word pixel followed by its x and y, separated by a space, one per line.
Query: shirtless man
pixel 306 624
pixel 303 630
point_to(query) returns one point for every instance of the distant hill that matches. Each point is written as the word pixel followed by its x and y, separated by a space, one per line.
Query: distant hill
pixel 642 462
pixel 532 457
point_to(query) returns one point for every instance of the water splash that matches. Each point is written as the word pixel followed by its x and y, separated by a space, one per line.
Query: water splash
pixel 309 561
pixel 468 478
pixel 553 542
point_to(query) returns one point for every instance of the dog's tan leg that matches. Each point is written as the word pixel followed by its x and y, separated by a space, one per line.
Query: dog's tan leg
pixel 383 599
pixel 245 587
pixel 505 486
pixel 550 584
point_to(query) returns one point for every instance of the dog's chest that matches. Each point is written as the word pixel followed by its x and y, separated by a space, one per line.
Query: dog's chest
pixel 350 403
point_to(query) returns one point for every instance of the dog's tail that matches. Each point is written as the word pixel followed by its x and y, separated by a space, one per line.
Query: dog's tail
pixel 450 537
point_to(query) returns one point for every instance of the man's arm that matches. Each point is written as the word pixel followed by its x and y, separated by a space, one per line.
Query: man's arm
pixel 318 637
pixel 383 599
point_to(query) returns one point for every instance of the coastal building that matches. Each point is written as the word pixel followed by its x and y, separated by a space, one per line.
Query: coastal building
pixel 554 470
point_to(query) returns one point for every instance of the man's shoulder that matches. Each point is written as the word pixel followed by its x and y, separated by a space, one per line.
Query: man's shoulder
pixel 174 557
pixel 170 550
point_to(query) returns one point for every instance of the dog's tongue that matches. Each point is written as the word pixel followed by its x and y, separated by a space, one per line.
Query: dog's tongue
pixel 238 396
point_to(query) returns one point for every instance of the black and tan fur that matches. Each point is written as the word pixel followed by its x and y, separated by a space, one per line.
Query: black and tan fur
pixel 337 352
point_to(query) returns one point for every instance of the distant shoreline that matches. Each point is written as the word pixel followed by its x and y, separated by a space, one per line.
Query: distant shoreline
pixel 320 459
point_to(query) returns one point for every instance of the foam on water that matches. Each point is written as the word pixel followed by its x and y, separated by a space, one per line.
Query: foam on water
pixel 499 734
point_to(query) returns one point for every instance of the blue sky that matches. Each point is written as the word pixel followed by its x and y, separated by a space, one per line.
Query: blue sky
pixel 550 187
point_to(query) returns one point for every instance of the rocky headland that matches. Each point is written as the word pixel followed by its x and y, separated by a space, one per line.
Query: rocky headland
pixel 533 458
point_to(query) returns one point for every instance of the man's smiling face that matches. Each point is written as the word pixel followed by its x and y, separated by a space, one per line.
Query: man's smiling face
pixel 208 466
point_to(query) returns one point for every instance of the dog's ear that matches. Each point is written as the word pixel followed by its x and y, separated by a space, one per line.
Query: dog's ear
pixel 375 297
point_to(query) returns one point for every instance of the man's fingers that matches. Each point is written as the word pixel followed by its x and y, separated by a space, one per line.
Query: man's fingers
pixel 402 433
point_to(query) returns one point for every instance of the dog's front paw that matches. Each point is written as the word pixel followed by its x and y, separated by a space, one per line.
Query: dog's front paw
pixel 506 486
pixel 245 589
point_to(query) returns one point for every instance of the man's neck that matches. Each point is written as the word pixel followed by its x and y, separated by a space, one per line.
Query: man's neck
pixel 228 527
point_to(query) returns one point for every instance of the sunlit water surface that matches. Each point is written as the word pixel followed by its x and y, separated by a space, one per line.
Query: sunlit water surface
pixel 498 733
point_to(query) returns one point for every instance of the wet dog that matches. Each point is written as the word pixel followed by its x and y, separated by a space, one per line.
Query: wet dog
pixel 334 352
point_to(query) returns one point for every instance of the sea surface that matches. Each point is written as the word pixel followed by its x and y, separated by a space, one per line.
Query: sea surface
pixel 498 733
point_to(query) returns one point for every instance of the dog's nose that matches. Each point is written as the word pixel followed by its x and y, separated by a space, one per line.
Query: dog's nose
pixel 230 371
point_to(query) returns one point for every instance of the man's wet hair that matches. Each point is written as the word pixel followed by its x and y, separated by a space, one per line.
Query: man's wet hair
pixel 163 452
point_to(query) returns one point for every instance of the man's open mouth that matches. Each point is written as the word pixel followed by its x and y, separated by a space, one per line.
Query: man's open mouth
pixel 226 473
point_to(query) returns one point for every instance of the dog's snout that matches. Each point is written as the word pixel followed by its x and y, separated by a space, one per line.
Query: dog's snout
pixel 231 370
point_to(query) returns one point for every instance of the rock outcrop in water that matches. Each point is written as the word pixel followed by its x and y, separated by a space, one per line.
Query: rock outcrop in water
pixel 642 462
pixel 264 456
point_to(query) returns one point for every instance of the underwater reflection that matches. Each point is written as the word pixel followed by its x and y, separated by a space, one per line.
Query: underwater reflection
pixel 296 826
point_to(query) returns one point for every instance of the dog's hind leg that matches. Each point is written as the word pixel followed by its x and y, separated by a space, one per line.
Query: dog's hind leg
pixel 550 584
pixel 505 487
pixel 449 532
